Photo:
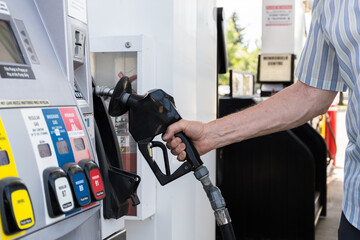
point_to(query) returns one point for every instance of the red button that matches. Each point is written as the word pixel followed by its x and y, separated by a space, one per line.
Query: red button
pixel 97 184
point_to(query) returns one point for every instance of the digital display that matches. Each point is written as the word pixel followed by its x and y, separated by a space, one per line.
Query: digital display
pixel 9 47
pixel 62 147
pixel 44 150
pixel 79 144
pixel 4 158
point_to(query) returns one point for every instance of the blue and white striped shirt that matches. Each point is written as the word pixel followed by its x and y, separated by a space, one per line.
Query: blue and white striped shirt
pixel 331 61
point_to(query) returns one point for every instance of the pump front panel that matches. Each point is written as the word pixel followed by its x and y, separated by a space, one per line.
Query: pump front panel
pixel 42 137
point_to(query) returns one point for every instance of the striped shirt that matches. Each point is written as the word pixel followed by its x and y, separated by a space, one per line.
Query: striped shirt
pixel 331 61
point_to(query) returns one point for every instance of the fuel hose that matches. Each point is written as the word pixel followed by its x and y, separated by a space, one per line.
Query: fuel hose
pixel 217 203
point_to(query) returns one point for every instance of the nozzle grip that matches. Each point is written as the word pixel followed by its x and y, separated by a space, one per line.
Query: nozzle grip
pixel 192 156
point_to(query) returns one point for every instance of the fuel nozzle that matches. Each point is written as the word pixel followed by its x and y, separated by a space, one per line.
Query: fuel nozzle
pixel 149 116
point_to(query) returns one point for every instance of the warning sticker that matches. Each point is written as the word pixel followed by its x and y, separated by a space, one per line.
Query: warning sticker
pixel 278 15
pixel 20 72
pixel 24 103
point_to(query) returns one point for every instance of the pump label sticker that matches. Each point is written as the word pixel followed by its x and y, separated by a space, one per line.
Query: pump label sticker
pixel 59 136
pixel 20 72
pixel 3 8
pixel 40 138
pixel 24 103
pixel 77 10
pixel 76 134
pixel 42 145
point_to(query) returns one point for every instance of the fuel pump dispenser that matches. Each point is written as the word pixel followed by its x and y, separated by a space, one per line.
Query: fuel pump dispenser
pixel 149 116
pixel 55 183
pixel 66 23
pixel 45 192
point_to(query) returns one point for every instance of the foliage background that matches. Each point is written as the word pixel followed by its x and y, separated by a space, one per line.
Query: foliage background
pixel 239 56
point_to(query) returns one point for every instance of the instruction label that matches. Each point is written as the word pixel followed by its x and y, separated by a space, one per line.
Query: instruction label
pixel 76 134
pixel 278 15
pixel 42 145
pixel 3 8
pixel 20 72
pixel 77 9
pixel 59 136
pixel 24 103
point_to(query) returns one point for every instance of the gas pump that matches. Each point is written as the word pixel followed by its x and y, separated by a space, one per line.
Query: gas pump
pixel 49 177
pixel 52 182
pixel 66 22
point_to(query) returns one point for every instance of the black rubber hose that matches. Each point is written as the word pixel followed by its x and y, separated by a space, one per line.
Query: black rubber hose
pixel 227 232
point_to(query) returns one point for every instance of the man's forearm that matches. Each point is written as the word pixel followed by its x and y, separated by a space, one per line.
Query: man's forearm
pixel 287 109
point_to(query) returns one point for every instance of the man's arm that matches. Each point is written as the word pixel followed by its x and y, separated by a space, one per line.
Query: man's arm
pixel 287 109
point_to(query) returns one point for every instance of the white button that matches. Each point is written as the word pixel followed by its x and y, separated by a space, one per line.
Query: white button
pixel 64 194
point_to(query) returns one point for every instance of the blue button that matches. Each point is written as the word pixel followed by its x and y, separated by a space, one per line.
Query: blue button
pixel 81 189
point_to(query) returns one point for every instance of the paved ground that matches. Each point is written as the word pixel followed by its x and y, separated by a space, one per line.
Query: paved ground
pixel 327 227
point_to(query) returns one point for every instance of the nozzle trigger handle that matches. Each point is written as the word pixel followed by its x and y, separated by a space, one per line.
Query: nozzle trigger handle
pixel 145 147
pixel 192 156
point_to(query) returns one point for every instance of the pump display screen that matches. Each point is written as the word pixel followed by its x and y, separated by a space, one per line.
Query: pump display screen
pixel 62 147
pixel 4 158
pixel 9 47
pixel 79 144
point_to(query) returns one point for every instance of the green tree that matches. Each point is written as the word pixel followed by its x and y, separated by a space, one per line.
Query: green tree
pixel 239 57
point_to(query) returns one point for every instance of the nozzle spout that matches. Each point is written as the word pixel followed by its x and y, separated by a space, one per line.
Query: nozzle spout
pixel 104 91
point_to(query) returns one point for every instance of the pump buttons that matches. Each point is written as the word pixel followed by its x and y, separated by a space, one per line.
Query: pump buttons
pixel 59 197
pixel 16 209
pixel 93 176
pixel 78 182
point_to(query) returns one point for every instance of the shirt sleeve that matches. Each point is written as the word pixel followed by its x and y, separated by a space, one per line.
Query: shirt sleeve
pixel 318 65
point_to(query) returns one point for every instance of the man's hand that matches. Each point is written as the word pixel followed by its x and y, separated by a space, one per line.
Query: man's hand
pixel 195 131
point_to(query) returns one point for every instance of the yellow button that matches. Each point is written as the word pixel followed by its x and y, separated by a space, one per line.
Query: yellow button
pixel 22 208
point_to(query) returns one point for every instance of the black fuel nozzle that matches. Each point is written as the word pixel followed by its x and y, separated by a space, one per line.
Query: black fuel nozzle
pixel 149 116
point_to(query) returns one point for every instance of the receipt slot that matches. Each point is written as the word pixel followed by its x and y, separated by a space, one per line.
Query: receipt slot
pixel 94 178
pixel 15 205
pixel 59 197
pixel 78 183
